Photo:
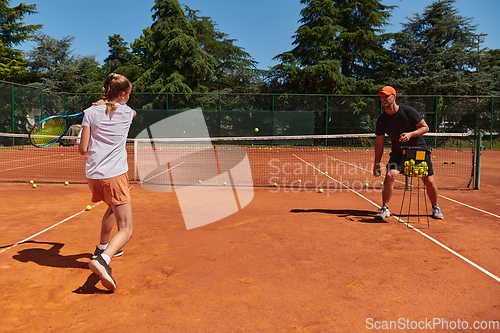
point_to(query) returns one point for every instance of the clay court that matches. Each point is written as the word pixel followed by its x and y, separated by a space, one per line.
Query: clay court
pixel 293 260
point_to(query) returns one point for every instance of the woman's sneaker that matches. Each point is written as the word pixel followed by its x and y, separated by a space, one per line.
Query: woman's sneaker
pixel 384 212
pixel 99 251
pixel 436 213
pixel 100 268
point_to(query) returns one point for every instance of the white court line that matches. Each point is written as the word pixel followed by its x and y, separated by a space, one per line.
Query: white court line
pixel 410 226
pixel 175 166
pixel 58 223
pixel 27 159
pixel 439 195
pixel 461 203
pixel 45 230
pixel 33 165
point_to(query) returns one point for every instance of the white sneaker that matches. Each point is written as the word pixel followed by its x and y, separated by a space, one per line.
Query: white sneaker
pixel 384 212
pixel 436 213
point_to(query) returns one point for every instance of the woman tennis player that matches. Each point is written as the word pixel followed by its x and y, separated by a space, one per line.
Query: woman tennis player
pixel 105 129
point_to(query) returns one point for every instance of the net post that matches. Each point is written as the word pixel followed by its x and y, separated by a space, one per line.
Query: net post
pixel 478 160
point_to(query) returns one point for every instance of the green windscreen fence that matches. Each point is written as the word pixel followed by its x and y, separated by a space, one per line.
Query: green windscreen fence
pixel 228 115
pixel 237 123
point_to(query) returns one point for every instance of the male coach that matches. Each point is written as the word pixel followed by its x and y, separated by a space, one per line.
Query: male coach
pixel 405 127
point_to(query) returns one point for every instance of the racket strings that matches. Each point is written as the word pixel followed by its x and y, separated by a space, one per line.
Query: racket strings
pixel 48 131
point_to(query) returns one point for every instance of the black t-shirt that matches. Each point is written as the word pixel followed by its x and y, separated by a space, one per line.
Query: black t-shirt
pixel 403 121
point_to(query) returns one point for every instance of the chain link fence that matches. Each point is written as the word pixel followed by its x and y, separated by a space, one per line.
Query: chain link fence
pixel 237 115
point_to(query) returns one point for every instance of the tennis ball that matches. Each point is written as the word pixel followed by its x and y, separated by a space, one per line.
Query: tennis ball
pixel 224 183
pixel 300 181
pixel 89 207
pixel 378 173
pixel 256 129
pixel 326 172
pixel 32 182
pixel 275 184
pixel 34 185
pixel 66 183
pixel 366 185
pixel 320 190
pixel 199 181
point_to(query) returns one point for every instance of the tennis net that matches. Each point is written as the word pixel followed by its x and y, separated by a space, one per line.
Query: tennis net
pixel 318 161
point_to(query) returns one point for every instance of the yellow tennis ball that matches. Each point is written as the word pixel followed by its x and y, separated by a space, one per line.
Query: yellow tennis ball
pixel 89 207
pixel 32 182
pixel 366 185
pixel 34 185
pixel 66 183
pixel 62 154
pixel 256 129
pixel 320 190
pixel 300 181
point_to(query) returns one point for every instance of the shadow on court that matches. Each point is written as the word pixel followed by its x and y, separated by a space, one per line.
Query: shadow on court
pixel 51 257
pixel 89 287
pixel 357 215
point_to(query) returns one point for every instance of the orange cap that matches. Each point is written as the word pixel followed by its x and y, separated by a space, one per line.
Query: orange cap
pixel 387 90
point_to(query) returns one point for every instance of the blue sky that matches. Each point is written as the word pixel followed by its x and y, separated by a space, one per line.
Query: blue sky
pixel 264 28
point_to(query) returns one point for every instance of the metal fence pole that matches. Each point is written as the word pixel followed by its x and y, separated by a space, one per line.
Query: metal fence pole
pixel 491 121
pixel 12 107
pixel 41 103
pixel 326 116
pixel 272 117
pixel 479 147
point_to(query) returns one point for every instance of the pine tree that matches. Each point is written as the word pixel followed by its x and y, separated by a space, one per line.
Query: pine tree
pixel 438 53
pixel 119 53
pixel 234 68
pixel 178 63
pixel 13 32
pixel 338 43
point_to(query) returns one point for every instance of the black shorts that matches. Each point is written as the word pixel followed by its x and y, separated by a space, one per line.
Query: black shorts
pixel 396 162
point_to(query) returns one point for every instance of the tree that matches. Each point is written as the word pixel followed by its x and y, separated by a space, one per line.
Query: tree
pixel 438 53
pixel 119 53
pixel 13 32
pixel 178 63
pixel 121 60
pixel 338 43
pixel 235 69
pixel 57 70
pixel 490 64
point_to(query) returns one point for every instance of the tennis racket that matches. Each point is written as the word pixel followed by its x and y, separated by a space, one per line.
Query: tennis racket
pixel 51 129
